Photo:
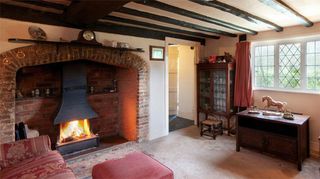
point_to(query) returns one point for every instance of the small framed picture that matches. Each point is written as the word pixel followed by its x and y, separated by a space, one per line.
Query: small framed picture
pixel 156 53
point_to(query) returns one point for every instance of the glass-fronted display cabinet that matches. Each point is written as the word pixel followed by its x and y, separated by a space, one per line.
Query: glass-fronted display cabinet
pixel 215 88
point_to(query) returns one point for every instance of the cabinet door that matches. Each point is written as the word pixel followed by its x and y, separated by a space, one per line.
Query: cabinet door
pixel 284 147
pixel 231 84
pixel 204 89
pixel 251 138
pixel 219 90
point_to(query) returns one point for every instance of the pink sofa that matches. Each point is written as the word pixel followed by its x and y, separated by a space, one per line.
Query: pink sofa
pixel 32 158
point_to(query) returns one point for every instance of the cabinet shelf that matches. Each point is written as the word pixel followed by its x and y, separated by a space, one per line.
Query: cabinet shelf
pixel 217 80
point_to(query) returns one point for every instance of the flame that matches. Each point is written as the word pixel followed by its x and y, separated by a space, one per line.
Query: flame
pixel 74 130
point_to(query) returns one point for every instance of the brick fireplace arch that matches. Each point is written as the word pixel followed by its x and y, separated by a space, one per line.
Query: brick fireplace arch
pixel 12 60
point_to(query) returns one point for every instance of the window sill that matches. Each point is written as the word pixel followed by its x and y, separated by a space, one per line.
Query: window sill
pixel 287 91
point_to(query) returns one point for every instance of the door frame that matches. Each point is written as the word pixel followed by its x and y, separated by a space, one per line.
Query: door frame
pixel 169 40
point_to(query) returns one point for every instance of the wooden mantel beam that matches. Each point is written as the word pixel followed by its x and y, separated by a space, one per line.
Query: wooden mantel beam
pixel 173 21
pixel 238 12
pixel 284 8
pixel 86 13
pixel 194 15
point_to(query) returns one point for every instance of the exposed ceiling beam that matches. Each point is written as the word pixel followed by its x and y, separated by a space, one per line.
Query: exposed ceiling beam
pixel 238 12
pixel 142 32
pixel 86 13
pixel 35 7
pixel 286 9
pixel 14 12
pixel 154 26
pixel 44 4
pixel 194 15
pixel 173 21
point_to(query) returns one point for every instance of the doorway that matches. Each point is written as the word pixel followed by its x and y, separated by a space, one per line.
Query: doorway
pixel 181 74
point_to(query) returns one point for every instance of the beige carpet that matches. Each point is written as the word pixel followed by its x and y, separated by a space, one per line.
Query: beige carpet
pixel 191 156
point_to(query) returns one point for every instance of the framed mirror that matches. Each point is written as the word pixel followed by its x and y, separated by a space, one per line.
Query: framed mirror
pixel 156 53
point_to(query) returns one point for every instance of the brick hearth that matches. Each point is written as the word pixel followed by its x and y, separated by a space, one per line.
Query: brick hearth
pixel 13 60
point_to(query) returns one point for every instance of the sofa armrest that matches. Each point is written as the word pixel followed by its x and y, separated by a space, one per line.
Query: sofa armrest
pixel 14 152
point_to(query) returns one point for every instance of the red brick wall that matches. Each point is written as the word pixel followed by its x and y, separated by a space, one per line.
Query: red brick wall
pixel 39 113
pixel 100 76
pixel 106 106
pixel 40 77
pixel 127 90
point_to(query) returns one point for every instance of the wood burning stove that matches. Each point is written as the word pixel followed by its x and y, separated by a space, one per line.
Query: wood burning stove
pixel 75 112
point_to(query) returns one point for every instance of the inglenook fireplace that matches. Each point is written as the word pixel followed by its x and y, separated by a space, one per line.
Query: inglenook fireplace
pixel 125 111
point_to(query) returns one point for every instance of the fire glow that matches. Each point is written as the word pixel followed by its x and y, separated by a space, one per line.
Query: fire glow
pixel 74 130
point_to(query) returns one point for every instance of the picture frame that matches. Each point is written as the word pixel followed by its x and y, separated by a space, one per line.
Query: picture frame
pixel 157 53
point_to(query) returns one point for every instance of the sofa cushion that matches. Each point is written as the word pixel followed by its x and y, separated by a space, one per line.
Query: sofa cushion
pixel 48 165
pixel 15 152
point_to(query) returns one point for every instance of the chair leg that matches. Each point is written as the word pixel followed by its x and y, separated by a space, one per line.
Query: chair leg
pixel 201 129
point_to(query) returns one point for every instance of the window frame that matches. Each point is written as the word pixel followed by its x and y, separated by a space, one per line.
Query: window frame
pixel 303 67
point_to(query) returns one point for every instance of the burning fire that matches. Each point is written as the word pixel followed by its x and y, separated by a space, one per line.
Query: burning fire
pixel 74 130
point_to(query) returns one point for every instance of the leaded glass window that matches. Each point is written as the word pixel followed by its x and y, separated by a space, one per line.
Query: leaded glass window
pixel 289 65
pixel 264 66
pixel 313 65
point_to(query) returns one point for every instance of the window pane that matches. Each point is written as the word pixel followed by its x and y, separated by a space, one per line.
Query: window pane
pixel 289 67
pixel 318 47
pixel 310 47
pixel 264 51
pixel 317 59
pixel 264 66
pixel 310 59
pixel 264 61
pixel 271 50
pixel 257 52
pixel 313 65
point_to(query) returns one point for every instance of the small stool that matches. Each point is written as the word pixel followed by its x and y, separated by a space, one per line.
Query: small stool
pixel 211 127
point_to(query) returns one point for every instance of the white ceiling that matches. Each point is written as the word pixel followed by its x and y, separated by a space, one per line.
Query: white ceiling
pixel 308 8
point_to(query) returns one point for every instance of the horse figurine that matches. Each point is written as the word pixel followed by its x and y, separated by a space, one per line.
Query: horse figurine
pixel 271 102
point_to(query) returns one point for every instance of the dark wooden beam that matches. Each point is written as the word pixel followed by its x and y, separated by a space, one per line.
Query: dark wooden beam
pixel 238 12
pixel 173 21
pixel 44 4
pixel 29 15
pixel 86 13
pixel 154 26
pixel 142 32
pixel 286 9
pixel 194 15
pixel 15 12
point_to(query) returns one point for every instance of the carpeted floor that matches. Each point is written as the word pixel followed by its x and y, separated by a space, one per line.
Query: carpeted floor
pixel 191 157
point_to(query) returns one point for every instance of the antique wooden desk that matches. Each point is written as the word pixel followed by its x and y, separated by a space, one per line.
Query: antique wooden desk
pixel 286 139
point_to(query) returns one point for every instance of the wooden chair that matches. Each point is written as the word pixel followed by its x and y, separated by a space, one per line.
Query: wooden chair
pixel 211 127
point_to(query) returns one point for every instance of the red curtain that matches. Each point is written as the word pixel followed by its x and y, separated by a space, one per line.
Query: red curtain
pixel 243 85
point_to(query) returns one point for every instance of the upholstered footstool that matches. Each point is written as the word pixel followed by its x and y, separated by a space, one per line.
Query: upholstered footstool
pixel 135 165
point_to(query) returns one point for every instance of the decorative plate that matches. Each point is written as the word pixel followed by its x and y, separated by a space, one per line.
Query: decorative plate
pixel 37 33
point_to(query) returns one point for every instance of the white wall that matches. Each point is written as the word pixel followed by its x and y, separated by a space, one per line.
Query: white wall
pixel 300 102
pixel 157 108
pixel 186 82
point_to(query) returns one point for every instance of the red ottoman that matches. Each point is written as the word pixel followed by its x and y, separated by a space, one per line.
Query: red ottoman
pixel 135 165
